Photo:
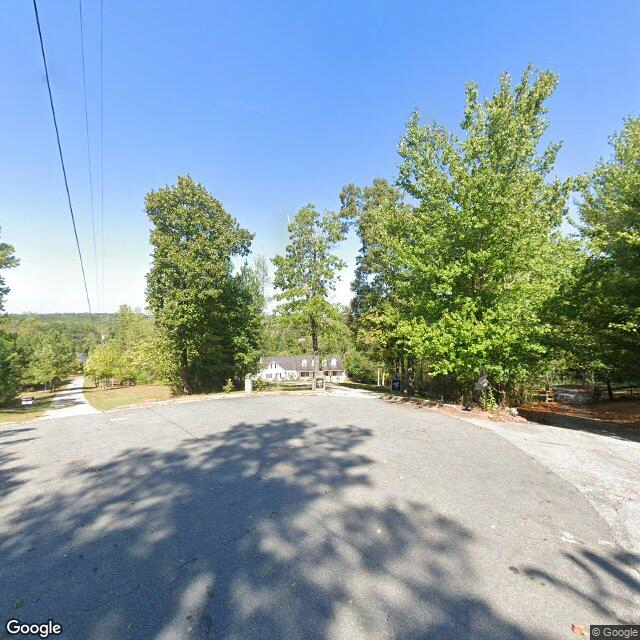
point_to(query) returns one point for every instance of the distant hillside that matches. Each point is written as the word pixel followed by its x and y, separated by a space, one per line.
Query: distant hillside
pixel 84 331
pixel 64 317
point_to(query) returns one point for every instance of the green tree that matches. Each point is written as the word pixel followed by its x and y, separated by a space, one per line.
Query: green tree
pixel 190 287
pixel 7 261
pixel 479 252
pixel 104 361
pixel 134 354
pixel 308 271
pixel 51 360
pixel 246 318
pixel 9 376
pixel 598 310
pixel 261 270
pixel 377 211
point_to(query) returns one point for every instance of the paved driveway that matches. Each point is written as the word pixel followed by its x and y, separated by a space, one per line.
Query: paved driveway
pixel 297 517
pixel 69 401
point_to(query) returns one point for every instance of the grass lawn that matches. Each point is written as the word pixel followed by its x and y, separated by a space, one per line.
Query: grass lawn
pixel 361 385
pixel 14 412
pixel 103 400
pixel 284 386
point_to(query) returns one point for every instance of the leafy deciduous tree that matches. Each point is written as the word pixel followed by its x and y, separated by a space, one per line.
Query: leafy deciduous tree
pixel 308 270
pixel 479 251
pixel 191 288
pixel 598 309
pixel 9 384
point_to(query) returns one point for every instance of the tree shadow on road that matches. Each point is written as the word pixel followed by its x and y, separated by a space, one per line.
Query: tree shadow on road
pixel 260 531
pixel 588 582
pixel 13 474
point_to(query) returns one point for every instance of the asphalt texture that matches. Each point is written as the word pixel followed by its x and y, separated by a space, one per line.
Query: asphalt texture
pixel 297 517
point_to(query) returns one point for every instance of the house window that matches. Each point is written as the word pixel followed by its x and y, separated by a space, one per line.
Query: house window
pixel 268 375
pixel 304 362
pixel 304 374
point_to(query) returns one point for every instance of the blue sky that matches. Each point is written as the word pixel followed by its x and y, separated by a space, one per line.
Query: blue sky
pixel 271 105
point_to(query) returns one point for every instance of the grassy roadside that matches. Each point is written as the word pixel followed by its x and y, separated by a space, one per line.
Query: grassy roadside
pixel 360 385
pixel 122 396
pixel 104 400
pixel 14 412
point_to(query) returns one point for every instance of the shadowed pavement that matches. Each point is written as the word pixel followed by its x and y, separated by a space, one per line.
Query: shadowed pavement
pixel 297 517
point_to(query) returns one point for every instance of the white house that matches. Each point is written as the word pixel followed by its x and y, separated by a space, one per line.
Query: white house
pixel 273 368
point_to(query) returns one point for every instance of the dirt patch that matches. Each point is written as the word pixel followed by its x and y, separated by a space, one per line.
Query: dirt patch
pixel 497 415
pixel 620 417
pixel 619 412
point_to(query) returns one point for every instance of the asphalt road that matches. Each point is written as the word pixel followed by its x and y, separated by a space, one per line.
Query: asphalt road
pixel 297 517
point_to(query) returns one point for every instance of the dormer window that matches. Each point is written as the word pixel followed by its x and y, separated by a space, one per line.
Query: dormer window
pixel 304 362
pixel 334 362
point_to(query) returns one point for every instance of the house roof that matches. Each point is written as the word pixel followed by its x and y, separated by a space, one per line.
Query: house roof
pixel 294 363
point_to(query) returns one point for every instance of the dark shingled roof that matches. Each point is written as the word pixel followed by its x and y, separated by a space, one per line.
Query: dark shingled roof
pixel 294 363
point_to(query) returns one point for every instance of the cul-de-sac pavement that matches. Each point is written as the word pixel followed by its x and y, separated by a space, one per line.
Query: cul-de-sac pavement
pixel 307 516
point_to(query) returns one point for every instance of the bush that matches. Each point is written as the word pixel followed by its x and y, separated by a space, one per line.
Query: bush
pixel 259 384
pixel 228 387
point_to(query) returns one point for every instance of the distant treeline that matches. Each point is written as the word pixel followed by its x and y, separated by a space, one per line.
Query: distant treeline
pixel 83 330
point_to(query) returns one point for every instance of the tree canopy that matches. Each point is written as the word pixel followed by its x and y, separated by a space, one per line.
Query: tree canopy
pixel 7 261
pixel 9 376
pixel 308 270
pixel 198 303
pixel 597 312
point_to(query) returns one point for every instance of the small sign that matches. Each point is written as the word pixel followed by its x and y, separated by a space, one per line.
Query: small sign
pixel 482 384
pixel 319 382
pixel 396 385
pixel 27 402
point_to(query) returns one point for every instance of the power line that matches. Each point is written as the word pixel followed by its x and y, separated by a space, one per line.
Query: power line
pixel 86 122
pixel 101 151
pixel 64 171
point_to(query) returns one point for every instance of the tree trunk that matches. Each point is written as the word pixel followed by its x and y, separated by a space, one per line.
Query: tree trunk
pixel 314 337
pixel 609 389
pixel 184 371
pixel 411 381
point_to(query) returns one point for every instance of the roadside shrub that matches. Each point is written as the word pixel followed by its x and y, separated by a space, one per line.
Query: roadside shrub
pixel 259 384
pixel 228 387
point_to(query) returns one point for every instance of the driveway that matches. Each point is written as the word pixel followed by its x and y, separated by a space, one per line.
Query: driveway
pixel 297 517
pixel 69 401
pixel 604 468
